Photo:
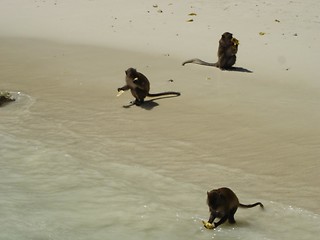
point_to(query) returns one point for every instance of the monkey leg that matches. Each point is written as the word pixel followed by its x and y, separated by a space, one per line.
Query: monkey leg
pixel 231 61
pixel 227 62
pixel 140 94
pixel 231 215
pixel 138 102
pixel 222 61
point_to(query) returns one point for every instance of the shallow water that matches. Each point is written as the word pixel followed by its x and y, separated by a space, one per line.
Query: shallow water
pixel 76 165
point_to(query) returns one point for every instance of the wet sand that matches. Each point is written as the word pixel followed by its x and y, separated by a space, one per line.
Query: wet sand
pixel 235 120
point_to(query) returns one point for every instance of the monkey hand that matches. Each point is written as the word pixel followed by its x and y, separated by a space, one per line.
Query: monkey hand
pixel 208 225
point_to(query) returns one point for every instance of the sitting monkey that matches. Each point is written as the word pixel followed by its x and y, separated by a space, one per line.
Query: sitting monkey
pixel 228 47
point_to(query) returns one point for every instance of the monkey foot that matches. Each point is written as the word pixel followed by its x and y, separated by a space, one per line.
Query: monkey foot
pixel 208 225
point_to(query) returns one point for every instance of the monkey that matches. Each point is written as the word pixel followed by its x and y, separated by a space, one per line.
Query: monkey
pixel 139 86
pixel 223 203
pixel 228 47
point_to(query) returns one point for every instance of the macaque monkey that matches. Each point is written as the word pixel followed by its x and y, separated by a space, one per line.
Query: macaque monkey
pixel 139 86
pixel 228 47
pixel 223 203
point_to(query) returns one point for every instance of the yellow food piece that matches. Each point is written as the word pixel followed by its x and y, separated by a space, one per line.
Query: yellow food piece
pixel 235 41
pixel 119 93
pixel 207 225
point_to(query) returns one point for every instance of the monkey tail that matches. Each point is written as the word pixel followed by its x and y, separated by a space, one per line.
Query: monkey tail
pixel 163 94
pixel 200 62
pixel 251 205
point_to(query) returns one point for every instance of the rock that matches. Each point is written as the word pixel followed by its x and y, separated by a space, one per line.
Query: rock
pixel 5 97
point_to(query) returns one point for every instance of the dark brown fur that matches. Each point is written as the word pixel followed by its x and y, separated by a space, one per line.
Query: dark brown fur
pixel 139 86
pixel 223 203
pixel 226 54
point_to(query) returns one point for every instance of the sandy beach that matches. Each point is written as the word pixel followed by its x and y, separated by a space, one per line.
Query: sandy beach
pixel 70 147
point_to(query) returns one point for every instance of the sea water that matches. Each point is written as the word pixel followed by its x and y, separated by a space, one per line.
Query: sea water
pixel 74 166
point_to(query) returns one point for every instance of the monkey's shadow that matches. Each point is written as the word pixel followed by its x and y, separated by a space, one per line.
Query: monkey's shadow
pixel 149 104
pixel 238 69
pixel 240 223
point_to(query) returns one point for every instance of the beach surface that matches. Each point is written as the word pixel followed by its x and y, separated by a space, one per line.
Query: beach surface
pixel 76 163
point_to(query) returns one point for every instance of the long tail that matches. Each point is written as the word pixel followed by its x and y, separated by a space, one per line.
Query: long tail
pixel 199 61
pixel 163 94
pixel 251 205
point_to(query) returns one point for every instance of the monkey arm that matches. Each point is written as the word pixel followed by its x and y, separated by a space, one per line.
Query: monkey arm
pixel 124 88
pixel 229 51
pixel 212 218
pixel 218 214
pixel 234 49
pixel 222 220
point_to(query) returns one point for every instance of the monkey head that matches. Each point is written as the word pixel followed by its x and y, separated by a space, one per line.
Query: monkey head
pixel 131 73
pixel 226 39
pixel 214 199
